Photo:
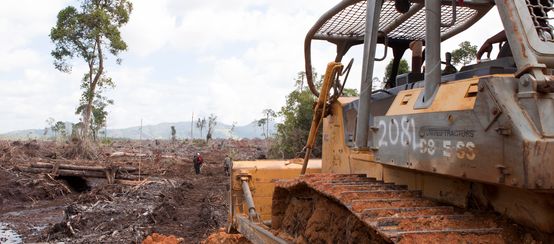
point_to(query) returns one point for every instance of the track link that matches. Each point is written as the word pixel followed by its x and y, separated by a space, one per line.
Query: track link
pixel 393 212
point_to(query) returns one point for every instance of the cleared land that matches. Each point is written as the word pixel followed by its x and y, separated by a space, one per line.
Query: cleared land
pixel 169 198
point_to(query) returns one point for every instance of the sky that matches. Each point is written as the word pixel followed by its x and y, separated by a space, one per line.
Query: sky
pixel 232 58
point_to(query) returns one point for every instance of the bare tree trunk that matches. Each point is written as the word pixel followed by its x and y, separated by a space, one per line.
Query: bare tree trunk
pixel 83 148
pixel 266 126
pixel 91 92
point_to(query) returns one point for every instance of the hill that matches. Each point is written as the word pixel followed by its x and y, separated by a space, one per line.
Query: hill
pixel 157 131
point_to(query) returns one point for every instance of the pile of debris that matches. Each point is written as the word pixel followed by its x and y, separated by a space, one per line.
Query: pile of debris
pixel 111 173
pixel 47 196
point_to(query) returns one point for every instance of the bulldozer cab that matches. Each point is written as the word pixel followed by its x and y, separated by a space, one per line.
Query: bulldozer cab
pixel 440 132
pixel 401 25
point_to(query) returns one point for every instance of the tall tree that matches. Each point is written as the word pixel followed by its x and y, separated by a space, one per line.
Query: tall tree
pixel 265 122
pixel 87 33
pixel 201 124
pixel 292 132
pixel 212 122
pixel 59 130
pixel 464 54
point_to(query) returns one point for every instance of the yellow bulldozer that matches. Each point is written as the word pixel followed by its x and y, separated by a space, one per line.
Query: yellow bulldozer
pixel 454 157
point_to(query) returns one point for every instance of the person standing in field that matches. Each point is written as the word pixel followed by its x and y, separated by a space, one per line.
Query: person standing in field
pixel 197 161
pixel 227 165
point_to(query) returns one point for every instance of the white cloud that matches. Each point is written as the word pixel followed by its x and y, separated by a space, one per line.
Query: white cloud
pixel 40 93
pixel 150 28
pixel 18 58
pixel 238 57
pixel 23 20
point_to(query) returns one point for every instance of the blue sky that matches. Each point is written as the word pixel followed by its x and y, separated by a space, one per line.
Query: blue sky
pixel 232 58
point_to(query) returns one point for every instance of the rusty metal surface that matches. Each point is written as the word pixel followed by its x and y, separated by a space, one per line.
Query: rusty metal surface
pixel 398 215
pixel 542 14
pixel 528 27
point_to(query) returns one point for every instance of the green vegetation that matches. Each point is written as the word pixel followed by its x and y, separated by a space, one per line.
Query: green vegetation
pixel 297 113
pixel 89 33
pixel 464 54
pixel 403 68
pixel 59 130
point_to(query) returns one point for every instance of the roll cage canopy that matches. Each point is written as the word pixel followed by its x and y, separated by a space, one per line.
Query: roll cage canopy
pixel 346 21
pixel 345 26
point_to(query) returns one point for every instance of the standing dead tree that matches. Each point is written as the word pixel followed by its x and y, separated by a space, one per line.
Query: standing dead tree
pixel 265 122
pixel 212 122
pixel 201 124
pixel 173 133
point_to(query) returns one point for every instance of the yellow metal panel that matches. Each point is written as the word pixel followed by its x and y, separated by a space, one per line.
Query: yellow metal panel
pixel 263 205
pixel 337 156
pixel 363 162
pixel 472 90
pixel 453 96
pixel 263 174
pixel 335 152
pixel 274 164
pixel 263 189
pixel 448 98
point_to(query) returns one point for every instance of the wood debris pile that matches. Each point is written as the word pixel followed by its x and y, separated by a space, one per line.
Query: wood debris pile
pixel 111 173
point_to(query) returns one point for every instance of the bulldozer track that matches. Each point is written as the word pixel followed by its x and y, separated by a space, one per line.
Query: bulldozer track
pixel 396 214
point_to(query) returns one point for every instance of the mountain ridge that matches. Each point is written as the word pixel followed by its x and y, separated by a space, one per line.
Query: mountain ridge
pixel 156 131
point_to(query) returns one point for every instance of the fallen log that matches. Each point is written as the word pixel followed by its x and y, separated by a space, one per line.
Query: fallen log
pixel 80 173
pixel 81 167
pixel 126 154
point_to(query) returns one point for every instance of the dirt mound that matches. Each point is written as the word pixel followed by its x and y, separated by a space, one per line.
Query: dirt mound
pixel 156 238
pixel 220 237
pixel 194 208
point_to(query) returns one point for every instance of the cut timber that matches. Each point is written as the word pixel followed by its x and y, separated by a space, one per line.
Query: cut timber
pixel 80 167
pixel 126 154
pixel 80 173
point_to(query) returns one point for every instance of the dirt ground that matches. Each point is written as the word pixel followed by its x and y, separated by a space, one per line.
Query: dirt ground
pixel 171 200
